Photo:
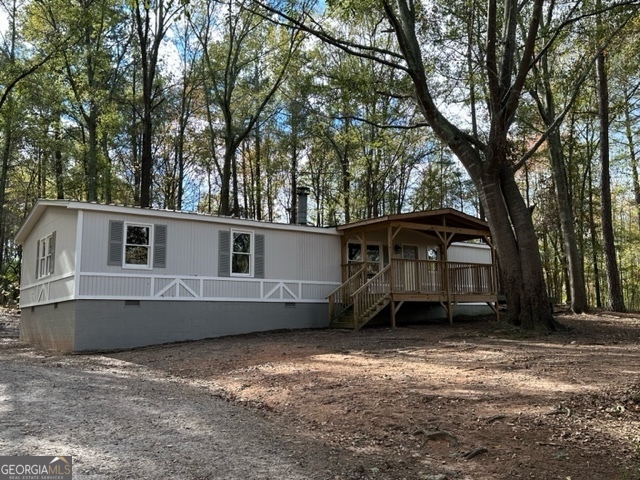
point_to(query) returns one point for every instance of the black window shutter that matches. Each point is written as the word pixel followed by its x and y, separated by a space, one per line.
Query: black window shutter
pixel 116 237
pixel 37 258
pixel 224 253
pixel 52 248
pixel 258 265
pixel 159 246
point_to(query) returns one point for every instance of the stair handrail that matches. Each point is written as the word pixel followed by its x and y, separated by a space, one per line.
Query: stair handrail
pixel 362 305
pixel 344 292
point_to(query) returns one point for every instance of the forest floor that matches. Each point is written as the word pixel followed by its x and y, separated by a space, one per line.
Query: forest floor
pixel 474 400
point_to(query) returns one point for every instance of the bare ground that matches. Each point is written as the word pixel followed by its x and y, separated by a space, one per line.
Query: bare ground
pixel 472 401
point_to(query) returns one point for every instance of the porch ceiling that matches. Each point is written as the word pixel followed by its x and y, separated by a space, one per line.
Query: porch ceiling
pixel 458 225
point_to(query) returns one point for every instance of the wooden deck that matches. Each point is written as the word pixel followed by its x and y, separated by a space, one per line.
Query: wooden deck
pixel 406 260
pixel 361 297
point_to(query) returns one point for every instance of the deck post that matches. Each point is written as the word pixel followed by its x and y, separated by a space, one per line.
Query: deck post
pixel 392 305
pixel 391 284
pixel 444 238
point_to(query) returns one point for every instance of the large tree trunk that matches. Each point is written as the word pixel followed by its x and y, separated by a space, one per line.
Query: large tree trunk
pixel 487 164
pixel 577 292
pixel 535 312
pixel 615 300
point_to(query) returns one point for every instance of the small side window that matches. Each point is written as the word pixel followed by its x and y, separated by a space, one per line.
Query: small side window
pixel 45 257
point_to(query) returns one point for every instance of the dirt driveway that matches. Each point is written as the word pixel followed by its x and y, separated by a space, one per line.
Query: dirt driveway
pixel 124 421
pixel 429 402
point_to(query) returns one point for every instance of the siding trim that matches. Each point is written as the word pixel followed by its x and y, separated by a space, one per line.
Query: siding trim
pixel 78 253
pixel 37 260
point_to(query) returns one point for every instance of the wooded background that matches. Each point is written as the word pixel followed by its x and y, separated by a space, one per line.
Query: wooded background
pixel 227 106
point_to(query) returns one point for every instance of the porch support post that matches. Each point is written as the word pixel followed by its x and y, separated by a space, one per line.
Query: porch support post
pixel 343 258
pixel 445 238
pixel 391 283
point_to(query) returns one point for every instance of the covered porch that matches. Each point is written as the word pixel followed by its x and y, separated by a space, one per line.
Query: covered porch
pixel 414 257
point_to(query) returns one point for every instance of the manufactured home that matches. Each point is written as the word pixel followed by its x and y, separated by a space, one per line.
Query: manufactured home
pixel 104 277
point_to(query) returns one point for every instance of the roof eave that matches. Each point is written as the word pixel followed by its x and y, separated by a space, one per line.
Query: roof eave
pixel 33 216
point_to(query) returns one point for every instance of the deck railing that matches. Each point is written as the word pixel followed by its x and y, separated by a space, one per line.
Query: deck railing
pixel 422 277
pixel 370 297
pixel 427 276
pixel 342 297
pixel 470 278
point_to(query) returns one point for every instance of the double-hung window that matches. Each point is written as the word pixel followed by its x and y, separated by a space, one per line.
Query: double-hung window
pixel 137 247
pixel 241 253
pixel 45 258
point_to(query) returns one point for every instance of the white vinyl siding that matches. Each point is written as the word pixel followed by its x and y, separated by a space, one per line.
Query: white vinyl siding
pixel 194 249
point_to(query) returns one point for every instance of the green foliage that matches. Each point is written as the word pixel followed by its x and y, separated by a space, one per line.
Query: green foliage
pixel 282 108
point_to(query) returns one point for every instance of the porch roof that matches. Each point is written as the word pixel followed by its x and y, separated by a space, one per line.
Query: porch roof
pixel 457 225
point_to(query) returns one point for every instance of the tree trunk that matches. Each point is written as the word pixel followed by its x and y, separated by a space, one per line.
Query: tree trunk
pixel 58 166
pixel 487 163
pixel 294 174
pixel 151 29
pixel 92 163
pixel 615 300
pixel 633 158
pixel 577 292
pixel 258 172
pixel 225 181
pixel 4 169
pixel 108 172
pixel 594 243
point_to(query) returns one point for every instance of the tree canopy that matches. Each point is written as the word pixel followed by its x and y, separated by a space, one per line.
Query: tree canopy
pixel 379 106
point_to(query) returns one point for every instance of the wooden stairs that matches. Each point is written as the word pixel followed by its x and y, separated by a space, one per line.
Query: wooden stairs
pixel 358 300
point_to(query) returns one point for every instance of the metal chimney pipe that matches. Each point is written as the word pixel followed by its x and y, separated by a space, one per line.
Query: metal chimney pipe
pixel 301 213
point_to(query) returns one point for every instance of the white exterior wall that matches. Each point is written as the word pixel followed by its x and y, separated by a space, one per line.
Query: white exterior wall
pixel 458 252
pixel 469 253
pixel 60 285
pixel 301 264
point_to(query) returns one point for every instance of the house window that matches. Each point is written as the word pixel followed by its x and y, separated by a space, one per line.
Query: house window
pixel 137 247
pixel 410 252
pixel 373 258
pixel 241 252
pixel 45 259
